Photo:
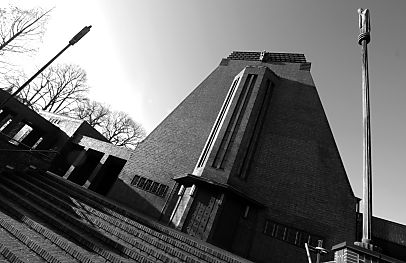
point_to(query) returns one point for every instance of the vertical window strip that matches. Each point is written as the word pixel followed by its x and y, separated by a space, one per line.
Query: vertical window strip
pixel 227 135
pixel 217 123
pixel 150 186
pixel 290 235
pixel 238 123
pixel 244 168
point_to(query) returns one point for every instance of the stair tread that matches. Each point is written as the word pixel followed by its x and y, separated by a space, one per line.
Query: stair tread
pixel 105 250
pixel 75 209
pixel 116 233
pixel 41 241
pixel 18 248
pixel 32 225
pixel 125 231
pixel 151 226
pixel 142 232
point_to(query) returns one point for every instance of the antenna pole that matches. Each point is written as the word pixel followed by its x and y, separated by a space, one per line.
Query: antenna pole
pixel 363 40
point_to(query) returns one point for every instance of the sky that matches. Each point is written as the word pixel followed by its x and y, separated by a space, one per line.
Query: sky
pixel 145 57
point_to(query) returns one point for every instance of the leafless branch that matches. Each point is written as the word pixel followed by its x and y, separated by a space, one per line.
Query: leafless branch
pixel 18 27
pixel 117 127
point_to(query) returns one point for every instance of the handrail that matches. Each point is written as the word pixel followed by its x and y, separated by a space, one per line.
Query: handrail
pixel 29 149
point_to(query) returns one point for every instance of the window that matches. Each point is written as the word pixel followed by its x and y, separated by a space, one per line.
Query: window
pixel 246 211
pixel 135 180
pixel 37 143
pixel 5 124
pixel 280 232
pixel 149 185
pixel 303 238
pixel 290 235
pixel 270 228
pixel 162 190
pixel 154 187
pixel 141 182
pixel 21 134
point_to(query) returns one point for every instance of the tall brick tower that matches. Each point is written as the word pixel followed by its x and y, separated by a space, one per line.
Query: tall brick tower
pixel 246 162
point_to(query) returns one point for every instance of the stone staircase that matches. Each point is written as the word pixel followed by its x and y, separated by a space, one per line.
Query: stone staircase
pixel 44 218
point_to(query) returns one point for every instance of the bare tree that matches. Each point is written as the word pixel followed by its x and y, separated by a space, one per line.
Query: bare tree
pixel 20 32
pixel 93 112
pixel 121 130
pixel 117 127
pixel 19 27
pixel 58 89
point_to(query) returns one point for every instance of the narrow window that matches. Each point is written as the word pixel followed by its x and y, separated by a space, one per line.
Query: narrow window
pixel 141 182
pixel 291 236
pixel 5 124
pixel 280 232
pixel 266 227
pixel 271 228
pixel 147 185
pixel 135 180
pixel 162 189
pixel 304 238
pixel 246 211
pixel 154 187
pixel 216 126
pixel 21 134
pixel 37 143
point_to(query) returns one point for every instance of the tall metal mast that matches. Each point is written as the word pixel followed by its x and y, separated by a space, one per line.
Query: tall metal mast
pixel 363 40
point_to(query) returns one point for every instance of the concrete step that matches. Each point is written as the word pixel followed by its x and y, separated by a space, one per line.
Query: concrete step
pixel 159 240
pixel 43 236
pixel 46 250
pixel 76 209
pixel 189 245
pixel 124 231
pixel 9 255
pixel 69 225
pixel 14 249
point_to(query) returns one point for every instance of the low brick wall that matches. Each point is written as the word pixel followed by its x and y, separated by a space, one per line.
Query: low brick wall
pixel 349 253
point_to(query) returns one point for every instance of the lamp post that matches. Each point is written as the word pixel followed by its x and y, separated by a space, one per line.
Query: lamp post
pixel 71 42
pixel 363 40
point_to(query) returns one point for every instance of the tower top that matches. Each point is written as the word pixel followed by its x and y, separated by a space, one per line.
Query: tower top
pixel 267 56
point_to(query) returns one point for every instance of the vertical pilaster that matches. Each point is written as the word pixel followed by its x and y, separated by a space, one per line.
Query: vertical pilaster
pixel 95 171
pixel 76 163
pixel 14 126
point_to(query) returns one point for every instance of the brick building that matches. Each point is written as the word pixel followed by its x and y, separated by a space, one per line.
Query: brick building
pixel 249 162
pixel 246 164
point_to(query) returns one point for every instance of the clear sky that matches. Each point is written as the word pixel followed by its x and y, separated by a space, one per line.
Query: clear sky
pixel 144 57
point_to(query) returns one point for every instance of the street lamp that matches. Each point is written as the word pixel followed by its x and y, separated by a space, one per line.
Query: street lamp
pixel 72 42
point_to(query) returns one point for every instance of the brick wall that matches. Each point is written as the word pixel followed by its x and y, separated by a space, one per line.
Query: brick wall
pixel 174 146
pixel 297 169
